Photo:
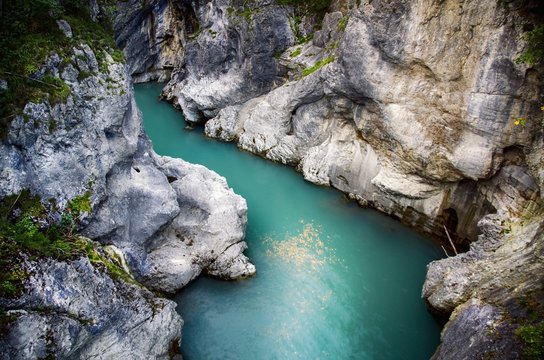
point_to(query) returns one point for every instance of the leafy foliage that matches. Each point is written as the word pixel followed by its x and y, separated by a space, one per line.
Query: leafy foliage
pixel 29 34
pixel 531 325
pixel 295 53
pixel 535 47
pixel 533 339
pixel 26 224
pixel 318 65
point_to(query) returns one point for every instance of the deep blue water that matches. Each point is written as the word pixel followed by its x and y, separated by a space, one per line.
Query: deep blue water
pixel 334 281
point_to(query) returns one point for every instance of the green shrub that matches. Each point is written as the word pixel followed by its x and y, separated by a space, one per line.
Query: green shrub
pixel 25 223
pixel 29 34
pixel 318 65
pixel 535 47
pixel 533 340
pixel 295 53
pixel 343 23
pixel 80 204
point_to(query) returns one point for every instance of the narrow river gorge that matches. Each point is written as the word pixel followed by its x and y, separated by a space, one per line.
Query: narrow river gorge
pixel 334 281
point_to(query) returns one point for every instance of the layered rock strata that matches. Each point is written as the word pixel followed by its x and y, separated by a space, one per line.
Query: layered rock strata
pixel 491 290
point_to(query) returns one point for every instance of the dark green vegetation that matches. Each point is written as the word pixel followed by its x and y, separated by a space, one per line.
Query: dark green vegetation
pixel 318 65
pixel 316 6
pixel 29 34
pixel 37 229
pixel 26 224
pixel 531 329
pixel 535 47
pixel 530 16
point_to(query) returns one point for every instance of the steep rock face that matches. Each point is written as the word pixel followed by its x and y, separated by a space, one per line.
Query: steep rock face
pixel 231 58
pixel 95 145
pixel 183 219
pixel 75 310
pixel 487 289
pixel 171 220
pixel 58 150
pixel 414 116
pixel 407 106
pixel 221 52
pixel 151 35
pixel 481 272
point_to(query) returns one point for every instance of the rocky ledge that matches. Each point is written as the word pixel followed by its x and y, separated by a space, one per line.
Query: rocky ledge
pixel 492 291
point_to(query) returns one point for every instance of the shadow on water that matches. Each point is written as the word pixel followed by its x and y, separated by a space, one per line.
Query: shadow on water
pixel 334 281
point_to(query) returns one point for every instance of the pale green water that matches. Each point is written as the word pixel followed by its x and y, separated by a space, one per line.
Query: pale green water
pixel 334 281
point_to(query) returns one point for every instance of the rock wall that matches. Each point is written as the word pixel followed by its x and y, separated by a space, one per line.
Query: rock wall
pixel 406 106
pixel 169 219
pixel 151 33
pixel 394 124
pixel 74 310
pixel 491 290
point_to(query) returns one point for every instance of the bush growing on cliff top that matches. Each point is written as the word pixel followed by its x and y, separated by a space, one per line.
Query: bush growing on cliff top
pixel 28 35
pixel 535 47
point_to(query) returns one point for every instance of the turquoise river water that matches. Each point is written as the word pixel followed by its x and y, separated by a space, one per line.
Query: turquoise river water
pixel 334 281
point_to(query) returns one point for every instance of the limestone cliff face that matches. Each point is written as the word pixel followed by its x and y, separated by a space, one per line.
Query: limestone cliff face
pixel 223 52
pixel 151 34
pixel 169 220
pixel 74 310
pixel 407 106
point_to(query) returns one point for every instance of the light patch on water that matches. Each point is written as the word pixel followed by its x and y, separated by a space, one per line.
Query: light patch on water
pixel 308 294
pixel 308 249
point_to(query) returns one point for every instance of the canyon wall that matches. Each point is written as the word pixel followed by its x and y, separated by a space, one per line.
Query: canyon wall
pixel 148 222
pixel 406 106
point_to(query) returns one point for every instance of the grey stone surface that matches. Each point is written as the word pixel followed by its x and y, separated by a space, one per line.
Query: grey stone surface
pixel 75 310
pixel 65 28
pixel 143 204
pixel 59 150
pixel 150 34
pixel 478 331
pixel 229 55
pixel 506 258
pixel 478 288
pixel 413 117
